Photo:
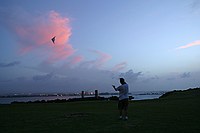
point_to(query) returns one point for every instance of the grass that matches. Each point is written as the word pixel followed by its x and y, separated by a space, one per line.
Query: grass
pixel 174 113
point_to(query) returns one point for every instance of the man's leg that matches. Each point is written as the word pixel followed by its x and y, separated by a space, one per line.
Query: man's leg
pixel 120 114
pixel 120 109
pixel 126 114
pixel 126 109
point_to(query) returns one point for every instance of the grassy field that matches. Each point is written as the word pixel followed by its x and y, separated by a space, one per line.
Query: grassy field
pixel 177 112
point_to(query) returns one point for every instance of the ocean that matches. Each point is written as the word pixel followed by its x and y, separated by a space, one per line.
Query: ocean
pixel 136 95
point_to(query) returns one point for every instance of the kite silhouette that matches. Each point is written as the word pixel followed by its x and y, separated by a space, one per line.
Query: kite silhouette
pixel 53 39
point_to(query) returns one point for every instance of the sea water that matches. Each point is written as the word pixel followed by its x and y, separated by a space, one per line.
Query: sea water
pixel 136 95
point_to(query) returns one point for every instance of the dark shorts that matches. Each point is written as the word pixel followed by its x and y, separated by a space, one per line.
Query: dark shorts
pixel 123 104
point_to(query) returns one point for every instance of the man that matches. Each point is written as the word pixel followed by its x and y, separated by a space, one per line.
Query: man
pixel 123 99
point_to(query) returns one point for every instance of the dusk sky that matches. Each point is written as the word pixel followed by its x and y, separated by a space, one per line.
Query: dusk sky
pixel 153 44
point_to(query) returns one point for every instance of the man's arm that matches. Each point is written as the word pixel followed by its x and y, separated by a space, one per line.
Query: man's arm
pixel 114 87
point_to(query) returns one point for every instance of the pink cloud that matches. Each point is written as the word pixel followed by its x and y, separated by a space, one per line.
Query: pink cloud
pixel 195 43
pixel 119 66
pixel 102 58
pixel 36 33
pixel 60 53
pixel 99 61
pixel 76 60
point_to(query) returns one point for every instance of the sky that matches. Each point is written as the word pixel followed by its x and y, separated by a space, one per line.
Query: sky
pixel 153 44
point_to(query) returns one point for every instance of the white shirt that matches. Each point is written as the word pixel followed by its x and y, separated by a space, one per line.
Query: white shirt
pixel 123 91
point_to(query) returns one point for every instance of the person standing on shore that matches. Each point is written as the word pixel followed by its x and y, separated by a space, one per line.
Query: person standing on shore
pixel 123 99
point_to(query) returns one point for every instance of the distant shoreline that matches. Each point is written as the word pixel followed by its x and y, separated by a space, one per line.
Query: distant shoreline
pixel 50 97
pixel 78 94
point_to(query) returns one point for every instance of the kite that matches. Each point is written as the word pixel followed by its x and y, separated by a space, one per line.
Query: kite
pixel 53 39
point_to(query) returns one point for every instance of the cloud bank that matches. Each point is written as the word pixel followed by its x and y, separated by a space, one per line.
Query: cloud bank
pixel 130 75
pixel 185 75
